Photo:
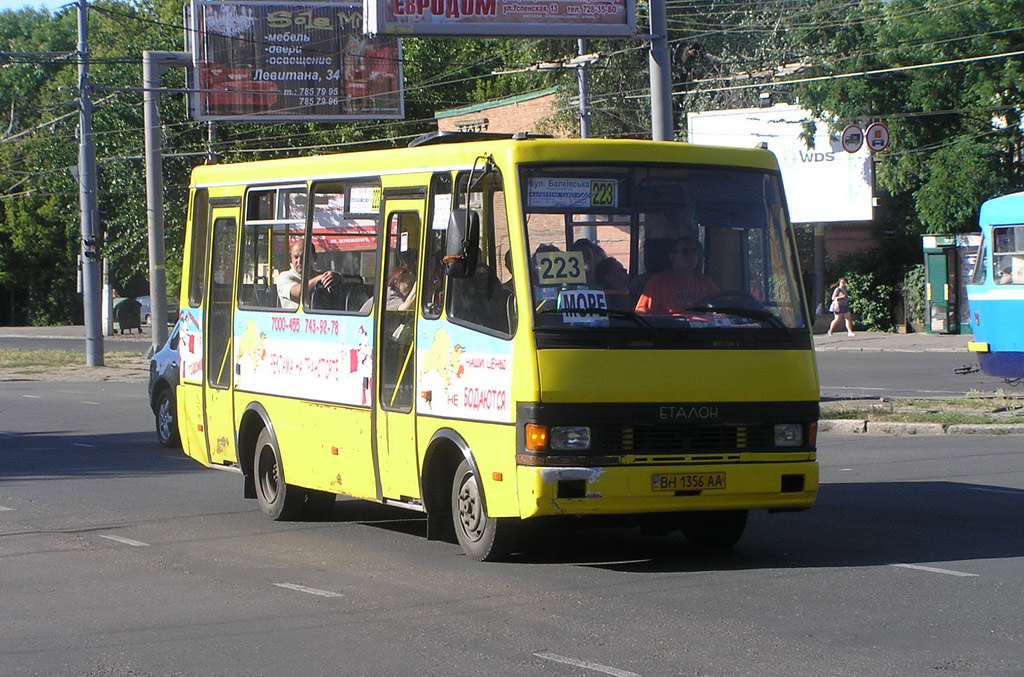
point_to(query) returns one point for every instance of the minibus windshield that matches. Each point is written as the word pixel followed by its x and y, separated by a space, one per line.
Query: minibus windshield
pixel 660 247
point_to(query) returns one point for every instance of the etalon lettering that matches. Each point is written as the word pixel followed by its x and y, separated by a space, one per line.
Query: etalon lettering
pixel 703 412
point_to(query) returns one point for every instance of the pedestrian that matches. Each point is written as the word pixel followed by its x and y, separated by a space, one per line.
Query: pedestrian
pixel 840 307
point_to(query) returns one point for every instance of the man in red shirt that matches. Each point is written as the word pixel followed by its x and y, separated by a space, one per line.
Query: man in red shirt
pixel 672 291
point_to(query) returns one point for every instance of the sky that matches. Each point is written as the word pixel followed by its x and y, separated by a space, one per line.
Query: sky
pixel 51 5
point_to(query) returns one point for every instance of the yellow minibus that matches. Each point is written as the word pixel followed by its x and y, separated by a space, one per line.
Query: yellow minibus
pixel 491 329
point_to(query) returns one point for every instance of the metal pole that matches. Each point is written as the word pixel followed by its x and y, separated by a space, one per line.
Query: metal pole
pixel 153 66
pixel 662 128
pixel 91 294
pixel 583 75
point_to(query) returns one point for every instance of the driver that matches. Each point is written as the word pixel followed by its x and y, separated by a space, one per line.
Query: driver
pixel 672 291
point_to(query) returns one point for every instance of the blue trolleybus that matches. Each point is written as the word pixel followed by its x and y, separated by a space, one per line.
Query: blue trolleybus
pixel 996 290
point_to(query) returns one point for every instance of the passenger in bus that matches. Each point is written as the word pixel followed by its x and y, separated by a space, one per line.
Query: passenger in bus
pixel 592 253
pixel 673 291
pixel 611 276
pixel 289 282
pixel 401 289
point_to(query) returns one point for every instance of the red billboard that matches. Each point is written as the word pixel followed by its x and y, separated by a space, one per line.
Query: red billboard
pixel 270 61
pixel 502 18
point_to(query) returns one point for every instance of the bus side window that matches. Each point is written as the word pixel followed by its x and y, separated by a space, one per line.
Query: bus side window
pixel 486 299
pixel 197 267
pixel 433 270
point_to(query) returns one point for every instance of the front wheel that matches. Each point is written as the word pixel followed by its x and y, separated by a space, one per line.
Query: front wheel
pixel 481 537
pixel 278 500
pixel 166 425
pixel 716 530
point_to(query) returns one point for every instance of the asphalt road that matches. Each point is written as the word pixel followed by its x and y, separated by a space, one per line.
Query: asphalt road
pixel 121 558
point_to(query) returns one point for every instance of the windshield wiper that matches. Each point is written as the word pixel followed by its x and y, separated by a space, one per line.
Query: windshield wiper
pixel 748 313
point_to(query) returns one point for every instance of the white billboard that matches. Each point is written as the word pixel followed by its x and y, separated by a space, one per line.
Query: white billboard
pixel 823 184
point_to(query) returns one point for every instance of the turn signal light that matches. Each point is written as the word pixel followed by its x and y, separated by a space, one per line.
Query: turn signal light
pixel 536 437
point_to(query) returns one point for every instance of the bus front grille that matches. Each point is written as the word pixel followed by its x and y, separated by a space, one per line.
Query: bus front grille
pixel 684 440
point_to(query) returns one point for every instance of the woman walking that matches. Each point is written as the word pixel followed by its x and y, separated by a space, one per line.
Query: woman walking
pixel 840 307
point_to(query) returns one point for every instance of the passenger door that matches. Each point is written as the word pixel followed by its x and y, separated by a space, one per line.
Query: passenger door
pixel 397 458
pixel 217 394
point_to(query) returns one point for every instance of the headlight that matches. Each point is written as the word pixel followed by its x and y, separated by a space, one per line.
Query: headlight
pixel 569 438
pixel 789 434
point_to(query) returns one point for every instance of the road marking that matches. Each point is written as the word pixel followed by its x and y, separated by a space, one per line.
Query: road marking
pixel 126 541
pixel 597 667
pixel 83 445
pixel 311 591
pixel 88 402
pixel 4 507
pixel 935 570
pixel 32 397
pixel 998 491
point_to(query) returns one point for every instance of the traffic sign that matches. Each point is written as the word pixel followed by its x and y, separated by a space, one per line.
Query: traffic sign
pixel 853 138
pixel 877 137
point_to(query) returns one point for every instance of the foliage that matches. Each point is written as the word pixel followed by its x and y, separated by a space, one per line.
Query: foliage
pixel 956 129
pixel 914 301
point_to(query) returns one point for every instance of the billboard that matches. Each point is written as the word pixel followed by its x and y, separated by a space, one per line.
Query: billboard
pixel 502 18
pixel 824 184
pixel 274 61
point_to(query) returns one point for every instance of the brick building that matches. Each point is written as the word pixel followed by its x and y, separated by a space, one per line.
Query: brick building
pixel 532 112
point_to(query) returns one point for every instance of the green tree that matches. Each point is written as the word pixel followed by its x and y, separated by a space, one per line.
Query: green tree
pixel 956 128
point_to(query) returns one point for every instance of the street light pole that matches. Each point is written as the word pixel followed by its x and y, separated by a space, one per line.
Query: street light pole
pixel 154 64
pixel 661 75
pixel 91 282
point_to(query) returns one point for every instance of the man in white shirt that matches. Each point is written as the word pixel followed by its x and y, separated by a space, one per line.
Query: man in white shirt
pixel 289 282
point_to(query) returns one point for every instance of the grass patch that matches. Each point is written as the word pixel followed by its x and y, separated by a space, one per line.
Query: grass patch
pixel 41 360
pixel 975 408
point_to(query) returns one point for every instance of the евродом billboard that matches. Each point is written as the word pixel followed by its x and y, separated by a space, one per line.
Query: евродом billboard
pixel 274 61
pixel 502 18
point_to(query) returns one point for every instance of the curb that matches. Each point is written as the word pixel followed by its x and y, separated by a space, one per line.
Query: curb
pixel 863 427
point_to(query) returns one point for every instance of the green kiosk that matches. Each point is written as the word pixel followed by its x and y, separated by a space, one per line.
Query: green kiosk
pixel 948 262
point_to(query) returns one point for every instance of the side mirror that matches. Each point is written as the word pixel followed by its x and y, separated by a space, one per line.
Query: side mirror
pixel 462 244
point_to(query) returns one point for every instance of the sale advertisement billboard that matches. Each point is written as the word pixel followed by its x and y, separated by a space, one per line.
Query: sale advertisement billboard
pixel 824 183
pixel 502 18
pixel 274 61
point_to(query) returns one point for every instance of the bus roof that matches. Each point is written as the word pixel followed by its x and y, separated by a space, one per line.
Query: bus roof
pixel 449 155
pixel 1008 209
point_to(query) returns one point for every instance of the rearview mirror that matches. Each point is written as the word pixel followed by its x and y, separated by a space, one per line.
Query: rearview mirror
pixel 462 244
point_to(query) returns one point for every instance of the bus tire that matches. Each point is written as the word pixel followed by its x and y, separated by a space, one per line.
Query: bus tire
pixel 278 500
pixel 481 537
pixel 714 530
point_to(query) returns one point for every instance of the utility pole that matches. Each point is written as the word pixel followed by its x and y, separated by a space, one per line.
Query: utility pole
pixel 661 75
pixel 91 282
pixel 583 76
pixel 154 64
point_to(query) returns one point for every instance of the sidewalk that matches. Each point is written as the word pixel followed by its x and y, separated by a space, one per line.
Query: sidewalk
pixel 897 343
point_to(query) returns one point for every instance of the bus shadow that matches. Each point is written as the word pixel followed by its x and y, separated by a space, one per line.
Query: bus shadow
pixel 852 525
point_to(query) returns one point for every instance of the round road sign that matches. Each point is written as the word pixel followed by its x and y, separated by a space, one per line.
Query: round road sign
pixel 877 137
pixel 853 138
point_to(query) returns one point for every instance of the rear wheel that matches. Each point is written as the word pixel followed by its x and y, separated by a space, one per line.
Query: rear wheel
pixel 481 537
pixel 166 425
pixel 717 530
pixel 277 499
